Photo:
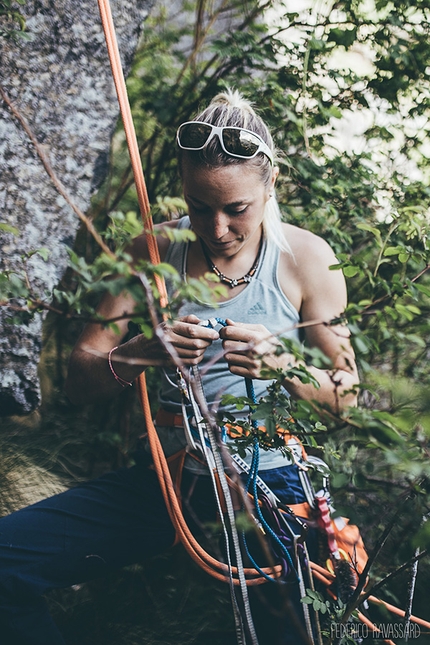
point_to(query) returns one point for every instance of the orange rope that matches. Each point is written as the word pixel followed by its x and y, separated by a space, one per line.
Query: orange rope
pixel 130 134
pixel 204 560
pixel 373 627
pixel 398 611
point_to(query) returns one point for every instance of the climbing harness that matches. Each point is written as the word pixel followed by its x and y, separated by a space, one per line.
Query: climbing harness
pixel 203 434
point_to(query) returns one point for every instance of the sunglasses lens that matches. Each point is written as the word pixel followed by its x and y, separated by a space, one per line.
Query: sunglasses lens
pixel 239 142
pixel 194 135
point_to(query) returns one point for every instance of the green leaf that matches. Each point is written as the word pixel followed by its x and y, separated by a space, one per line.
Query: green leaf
pixel 306 600
pixel 350 271
pixel 363 226
pixel 44 253
pixel 146 330
pixel 423 288
pixel 404 311
pixel 413 309
pixel 361 344
pixel 393 250
pixel 270 427
pixel 179 235
pixel 7 228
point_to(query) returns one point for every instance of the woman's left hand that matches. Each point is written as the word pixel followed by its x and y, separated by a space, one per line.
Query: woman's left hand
pixel 249 349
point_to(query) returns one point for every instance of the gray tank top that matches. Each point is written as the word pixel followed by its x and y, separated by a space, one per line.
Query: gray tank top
pixel 261 302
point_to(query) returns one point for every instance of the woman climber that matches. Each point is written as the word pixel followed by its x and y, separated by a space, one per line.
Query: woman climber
pixel 276 276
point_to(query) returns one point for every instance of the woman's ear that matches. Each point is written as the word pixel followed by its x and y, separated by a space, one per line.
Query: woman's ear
pixel 275 173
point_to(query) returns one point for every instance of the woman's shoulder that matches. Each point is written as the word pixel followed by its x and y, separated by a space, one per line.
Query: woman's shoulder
pixel 306 270
pixel 310 253
pixel 303 242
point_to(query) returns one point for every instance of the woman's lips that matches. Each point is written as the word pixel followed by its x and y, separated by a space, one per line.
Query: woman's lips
pixel 221 245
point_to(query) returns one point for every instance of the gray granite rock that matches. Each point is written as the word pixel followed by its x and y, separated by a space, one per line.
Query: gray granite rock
pixel 61 82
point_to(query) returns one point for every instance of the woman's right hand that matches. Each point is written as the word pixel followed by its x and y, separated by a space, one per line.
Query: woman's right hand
pixel 189 339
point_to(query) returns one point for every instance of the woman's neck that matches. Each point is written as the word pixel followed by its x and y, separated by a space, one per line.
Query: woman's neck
pixel 247 260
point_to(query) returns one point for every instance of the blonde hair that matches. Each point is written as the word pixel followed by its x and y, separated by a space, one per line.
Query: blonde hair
pixel 230 108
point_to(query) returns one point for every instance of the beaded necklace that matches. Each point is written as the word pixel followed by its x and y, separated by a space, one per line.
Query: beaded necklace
pixel 233 282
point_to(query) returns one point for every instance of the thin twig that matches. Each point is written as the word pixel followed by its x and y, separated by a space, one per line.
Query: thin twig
pixel 367 309
pixel 199 36
pixel 40 304
pixel 411 592
pixel 393 574
pixel 143 362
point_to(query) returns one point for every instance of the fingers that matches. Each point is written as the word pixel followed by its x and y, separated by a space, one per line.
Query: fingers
pixel 242 364
pixel 255 339
pixel 191 330
pixel 189 338
pixel 191 318
pixel 246 348
pixel 245 333
pixel 241 358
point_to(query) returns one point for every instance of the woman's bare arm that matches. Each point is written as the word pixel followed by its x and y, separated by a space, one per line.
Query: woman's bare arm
pixel 90 377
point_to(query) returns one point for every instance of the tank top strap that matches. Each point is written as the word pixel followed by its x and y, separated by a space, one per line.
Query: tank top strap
pixel 268 272
pixel 177 252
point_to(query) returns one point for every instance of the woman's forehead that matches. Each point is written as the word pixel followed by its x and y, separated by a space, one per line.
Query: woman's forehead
pixel 225 186
pixel 231 178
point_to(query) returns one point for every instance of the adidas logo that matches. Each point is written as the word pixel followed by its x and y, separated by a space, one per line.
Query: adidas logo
pixel 257 310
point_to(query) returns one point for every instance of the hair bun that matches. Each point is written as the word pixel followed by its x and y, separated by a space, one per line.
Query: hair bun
pixel 234 99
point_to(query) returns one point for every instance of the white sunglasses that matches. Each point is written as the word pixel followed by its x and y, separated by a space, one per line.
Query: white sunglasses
pixel 235 141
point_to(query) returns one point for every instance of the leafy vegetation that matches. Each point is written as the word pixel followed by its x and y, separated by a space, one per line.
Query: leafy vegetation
pixel 10 19
pixel 345 89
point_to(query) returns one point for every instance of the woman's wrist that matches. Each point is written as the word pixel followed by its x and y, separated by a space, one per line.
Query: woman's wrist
pixel 116 376
pixel 126 362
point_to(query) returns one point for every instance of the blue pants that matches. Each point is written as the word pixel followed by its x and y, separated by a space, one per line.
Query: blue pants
pixel 83 533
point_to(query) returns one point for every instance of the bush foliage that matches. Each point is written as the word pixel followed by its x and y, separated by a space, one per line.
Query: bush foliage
pixel 345 89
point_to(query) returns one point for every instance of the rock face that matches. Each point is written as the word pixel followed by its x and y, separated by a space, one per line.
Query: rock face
pixel 61 83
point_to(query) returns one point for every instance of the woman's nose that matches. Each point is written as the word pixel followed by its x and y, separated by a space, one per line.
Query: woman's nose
pixel 220 225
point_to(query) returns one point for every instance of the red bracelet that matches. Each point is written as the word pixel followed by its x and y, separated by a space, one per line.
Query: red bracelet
pixel 120 380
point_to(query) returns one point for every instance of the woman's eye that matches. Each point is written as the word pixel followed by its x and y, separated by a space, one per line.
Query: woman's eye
pixel 238 211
